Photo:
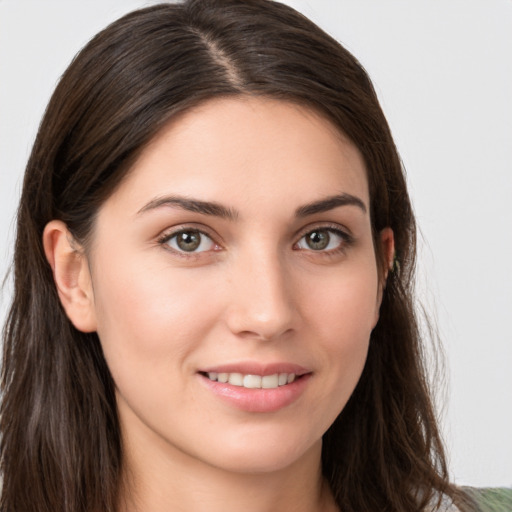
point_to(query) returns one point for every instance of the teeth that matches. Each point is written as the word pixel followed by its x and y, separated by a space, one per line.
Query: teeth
pixel 236 379
pixel 270 381
pixel 283 379
pixel 253 381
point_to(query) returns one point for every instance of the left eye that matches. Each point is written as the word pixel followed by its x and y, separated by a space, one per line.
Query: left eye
pixel 190 240
pixel 321 239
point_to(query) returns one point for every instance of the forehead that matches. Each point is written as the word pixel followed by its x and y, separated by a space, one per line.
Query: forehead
pixel 248 150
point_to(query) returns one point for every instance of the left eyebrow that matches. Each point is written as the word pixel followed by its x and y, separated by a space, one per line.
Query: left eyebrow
pixel 329 203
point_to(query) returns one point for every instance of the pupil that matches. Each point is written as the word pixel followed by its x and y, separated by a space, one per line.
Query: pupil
pixel 189 240
pixel 318 240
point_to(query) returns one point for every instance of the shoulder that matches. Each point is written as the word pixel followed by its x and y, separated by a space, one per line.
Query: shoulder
pixel 491 499
pixel 441 503
pixel 447 505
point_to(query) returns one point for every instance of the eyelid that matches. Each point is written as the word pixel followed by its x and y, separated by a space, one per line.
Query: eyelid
pixel 329 226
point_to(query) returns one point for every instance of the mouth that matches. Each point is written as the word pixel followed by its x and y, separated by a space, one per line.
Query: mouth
pixel 260 391
pixel 259 387
pixel 250 381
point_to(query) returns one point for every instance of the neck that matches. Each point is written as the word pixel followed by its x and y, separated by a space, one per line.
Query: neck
pixel 172 480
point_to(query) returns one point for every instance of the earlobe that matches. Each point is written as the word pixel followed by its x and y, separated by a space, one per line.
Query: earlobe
pixel 71 275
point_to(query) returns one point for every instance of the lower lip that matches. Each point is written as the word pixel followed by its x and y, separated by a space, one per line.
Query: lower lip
pixel 258 400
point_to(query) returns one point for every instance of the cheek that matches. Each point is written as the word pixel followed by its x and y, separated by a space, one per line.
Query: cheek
pixel 150 320
pixel 150 314
pixel 344 303
pixel 341 314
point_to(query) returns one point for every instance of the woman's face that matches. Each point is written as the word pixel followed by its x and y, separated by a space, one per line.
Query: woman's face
pixel 239 248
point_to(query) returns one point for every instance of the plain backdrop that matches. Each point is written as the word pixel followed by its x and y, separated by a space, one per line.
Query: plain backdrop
pixel 443 72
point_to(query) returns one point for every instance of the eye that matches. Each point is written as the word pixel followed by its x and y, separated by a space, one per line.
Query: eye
pixel 189 240
pixel 323 239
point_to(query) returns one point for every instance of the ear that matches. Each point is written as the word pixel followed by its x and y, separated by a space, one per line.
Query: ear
pixel 71 275
pixel 387 249
pixel 387 241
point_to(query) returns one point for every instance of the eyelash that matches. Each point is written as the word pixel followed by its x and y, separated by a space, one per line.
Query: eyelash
pixel 346 241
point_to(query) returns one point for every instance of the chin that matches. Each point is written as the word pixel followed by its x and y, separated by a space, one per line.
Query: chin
pixel 265 455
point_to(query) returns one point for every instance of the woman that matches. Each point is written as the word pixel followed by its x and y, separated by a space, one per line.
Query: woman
pixel 218 310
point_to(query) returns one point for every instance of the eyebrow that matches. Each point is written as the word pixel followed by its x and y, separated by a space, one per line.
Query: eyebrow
pixel 218 210
pixel 191 205
pixel 329 203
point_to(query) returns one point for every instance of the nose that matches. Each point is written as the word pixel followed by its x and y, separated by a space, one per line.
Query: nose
pixel 261 299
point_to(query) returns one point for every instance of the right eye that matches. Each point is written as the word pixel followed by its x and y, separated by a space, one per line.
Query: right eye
pixel 189 241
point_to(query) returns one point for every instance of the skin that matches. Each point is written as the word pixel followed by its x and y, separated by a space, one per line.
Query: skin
pixel 255 290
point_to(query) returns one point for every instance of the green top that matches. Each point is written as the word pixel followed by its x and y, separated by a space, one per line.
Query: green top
pixel 491 499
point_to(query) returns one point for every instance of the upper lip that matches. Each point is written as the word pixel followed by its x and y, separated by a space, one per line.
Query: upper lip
pixel 255 368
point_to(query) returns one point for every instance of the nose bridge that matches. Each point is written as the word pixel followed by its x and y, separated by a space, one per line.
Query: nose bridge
pixel 261 299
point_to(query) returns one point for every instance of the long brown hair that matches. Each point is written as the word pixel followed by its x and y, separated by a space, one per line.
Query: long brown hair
pixel 60 448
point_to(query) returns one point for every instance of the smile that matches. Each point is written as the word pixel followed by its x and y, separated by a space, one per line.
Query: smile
pixel 253 381
pixel 257 390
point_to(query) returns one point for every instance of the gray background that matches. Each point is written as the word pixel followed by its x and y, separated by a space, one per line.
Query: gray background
pixel 443 71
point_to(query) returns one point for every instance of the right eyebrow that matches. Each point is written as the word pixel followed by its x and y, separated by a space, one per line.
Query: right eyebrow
pixel 191 205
